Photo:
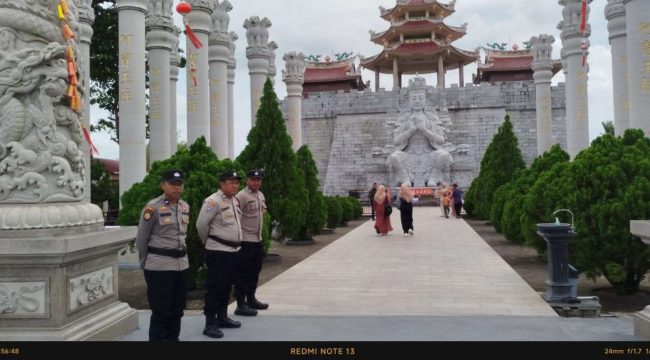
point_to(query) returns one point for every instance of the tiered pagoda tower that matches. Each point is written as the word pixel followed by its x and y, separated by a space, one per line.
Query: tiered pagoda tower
pixel 419 41
pixel 340 74
pixel 503 65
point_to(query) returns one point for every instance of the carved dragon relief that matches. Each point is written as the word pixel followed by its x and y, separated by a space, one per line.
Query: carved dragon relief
pixel 40 136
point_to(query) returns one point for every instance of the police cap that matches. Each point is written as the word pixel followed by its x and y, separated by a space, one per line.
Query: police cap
pixel 173 176
pixel 229 175
pixel 255 174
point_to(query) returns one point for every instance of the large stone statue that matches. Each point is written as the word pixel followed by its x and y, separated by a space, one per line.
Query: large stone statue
pixel 422 155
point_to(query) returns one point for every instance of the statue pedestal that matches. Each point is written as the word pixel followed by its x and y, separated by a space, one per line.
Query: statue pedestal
pixel 642 318
pixel 63 287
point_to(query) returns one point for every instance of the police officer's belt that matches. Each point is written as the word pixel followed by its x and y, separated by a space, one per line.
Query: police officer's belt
pixel 174 253
pixel 225 242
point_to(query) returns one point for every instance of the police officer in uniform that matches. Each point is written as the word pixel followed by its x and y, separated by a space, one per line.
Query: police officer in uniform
pixel 163 256
pixel 219 227
pixel 253 206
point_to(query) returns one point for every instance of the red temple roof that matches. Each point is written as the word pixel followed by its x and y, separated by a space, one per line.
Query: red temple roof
pixel 420 47
pixel 446 9
pixel 518 63
pixel 318 74
pixel 523 62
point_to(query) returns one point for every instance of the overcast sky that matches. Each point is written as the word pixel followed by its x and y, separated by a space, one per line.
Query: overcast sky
pixel 333 26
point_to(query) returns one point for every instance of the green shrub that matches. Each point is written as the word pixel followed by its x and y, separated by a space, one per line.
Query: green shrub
pixel 501 160
pixel 334 212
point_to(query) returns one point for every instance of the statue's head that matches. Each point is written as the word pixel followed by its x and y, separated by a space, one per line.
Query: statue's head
pixel 417 93
pixel 417 99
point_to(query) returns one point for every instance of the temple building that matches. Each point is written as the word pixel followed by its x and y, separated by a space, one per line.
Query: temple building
pixel 503 65
pixel 340 74
pixel 423 131
pixel 418 42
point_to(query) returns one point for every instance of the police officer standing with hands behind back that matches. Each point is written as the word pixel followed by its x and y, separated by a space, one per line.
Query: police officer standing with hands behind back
pixel 219 227
pixel 253 206
pixel 163 256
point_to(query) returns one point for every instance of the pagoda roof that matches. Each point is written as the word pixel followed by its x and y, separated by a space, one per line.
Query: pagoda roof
pixel 403 5
pixel 343 70
pixel 419 57
pixel 417 26
pixel 511 60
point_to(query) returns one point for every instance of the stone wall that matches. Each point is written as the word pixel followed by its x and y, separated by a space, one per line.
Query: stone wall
pixel 350 134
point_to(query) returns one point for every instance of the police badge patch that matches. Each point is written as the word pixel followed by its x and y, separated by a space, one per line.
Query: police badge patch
pixel 148 212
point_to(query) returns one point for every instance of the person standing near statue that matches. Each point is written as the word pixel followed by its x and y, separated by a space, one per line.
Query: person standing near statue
pixel 382 202
pixel 219 227
pixel 163 256
pixel 371 196
pixel 253 206
pixel 457 196
pixel 405 198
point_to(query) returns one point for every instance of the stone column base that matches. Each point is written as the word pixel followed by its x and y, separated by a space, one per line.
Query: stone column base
pixel 111 323
pixel 63 286
pixel 642 324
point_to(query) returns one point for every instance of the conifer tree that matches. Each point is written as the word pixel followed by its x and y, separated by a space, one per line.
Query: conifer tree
pixel 316 210
pixel 269 148
pixel 500 162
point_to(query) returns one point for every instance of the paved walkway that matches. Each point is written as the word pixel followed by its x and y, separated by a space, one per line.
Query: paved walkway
pixel 444 283
pixel 445 269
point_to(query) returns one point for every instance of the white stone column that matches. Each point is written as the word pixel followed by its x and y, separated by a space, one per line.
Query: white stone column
pixel 232 66
pixel 86 20
pixel 616 24
pixel 160 41
pixel 395 74
pixel 573 42
pixel 441 72
pixel 218 58
pixel 377 80
pixel 272 69
pixel 132 133
pixel 638 51
pixel 294 77
pixel 257 53
pixel 543 73
pixel 461 74
pixel 197 69
pixel 174 63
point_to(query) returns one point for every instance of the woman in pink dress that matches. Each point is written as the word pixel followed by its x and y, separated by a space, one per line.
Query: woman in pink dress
pixel 382 222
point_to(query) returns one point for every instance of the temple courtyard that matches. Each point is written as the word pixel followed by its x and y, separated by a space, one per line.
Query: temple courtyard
pixel 444 284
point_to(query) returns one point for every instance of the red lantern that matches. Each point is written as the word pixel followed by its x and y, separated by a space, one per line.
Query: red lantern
pixel 184 9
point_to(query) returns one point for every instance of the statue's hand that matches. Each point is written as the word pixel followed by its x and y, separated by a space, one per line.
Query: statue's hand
pixel 421 125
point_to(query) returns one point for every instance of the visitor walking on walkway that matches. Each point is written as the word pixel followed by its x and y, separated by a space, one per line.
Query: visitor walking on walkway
pixel 457 195
pixel 163 257
pixel 371 196
pixel 405 198
pixel 382 203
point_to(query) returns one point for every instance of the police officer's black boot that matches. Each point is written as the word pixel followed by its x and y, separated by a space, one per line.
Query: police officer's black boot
pixel 225 322
pixel 211 328
pixel 253 303
pixel 243 309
